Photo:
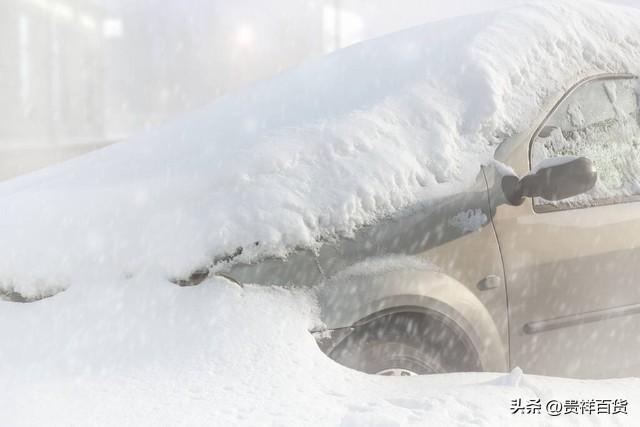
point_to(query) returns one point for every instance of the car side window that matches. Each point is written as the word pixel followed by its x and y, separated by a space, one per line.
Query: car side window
pixel 599 120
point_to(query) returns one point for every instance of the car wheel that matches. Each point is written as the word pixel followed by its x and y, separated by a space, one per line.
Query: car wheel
pixel 407 344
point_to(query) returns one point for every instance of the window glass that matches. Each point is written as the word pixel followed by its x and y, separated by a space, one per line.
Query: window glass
pixel 600 121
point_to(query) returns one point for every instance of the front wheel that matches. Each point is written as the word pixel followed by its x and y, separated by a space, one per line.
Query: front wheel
pixel 407 344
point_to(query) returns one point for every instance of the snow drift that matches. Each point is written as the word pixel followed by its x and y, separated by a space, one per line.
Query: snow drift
pixel 316 151
pixel 147 353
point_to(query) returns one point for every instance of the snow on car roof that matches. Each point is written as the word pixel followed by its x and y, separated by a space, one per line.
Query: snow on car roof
pixel 316 151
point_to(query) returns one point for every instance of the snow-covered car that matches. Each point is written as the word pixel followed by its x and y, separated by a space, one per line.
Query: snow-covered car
pixel 460 196
pixel 564 240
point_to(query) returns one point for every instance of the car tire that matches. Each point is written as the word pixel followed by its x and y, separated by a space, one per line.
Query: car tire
pixel 407 344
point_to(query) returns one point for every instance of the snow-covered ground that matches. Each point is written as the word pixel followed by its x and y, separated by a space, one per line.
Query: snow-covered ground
pixel 146 352
pixel 316 151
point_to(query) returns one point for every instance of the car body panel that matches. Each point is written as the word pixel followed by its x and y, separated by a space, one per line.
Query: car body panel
pixel 571 280
pixel 352 300
pixel 300 268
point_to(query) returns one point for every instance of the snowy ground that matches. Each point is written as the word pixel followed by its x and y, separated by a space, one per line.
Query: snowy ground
pixel 394 121
pixel 146 352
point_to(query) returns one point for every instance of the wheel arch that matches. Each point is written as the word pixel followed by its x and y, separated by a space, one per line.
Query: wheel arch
pixel 349 302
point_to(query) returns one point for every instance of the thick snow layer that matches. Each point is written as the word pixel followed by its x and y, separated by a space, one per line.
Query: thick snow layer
pixel 146 352
pixel 316 151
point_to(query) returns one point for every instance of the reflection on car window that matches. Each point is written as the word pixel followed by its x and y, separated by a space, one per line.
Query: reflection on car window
pixel 600 121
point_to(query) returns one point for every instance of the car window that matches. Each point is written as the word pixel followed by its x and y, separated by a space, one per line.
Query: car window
pixel 598 120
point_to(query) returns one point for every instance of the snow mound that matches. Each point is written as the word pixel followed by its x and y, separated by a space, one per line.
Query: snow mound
pixel 145 352
pixel 316 151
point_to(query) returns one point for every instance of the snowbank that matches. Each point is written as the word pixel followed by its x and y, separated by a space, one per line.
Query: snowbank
pixel 316 151
pixel 145 352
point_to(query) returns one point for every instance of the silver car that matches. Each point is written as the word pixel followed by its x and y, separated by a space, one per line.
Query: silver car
pixel 535 265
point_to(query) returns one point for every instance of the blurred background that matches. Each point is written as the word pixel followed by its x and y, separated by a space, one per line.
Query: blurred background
pixel 80 74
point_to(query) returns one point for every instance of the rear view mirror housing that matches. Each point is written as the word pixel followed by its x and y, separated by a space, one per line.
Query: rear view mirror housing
pixel 553 179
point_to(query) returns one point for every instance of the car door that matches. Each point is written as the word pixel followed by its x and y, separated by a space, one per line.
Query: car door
pixel 572 267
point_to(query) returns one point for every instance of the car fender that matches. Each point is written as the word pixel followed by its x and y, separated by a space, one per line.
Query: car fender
pixel 349 300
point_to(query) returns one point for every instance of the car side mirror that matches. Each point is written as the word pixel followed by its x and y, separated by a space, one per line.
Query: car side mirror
pixel 553 179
